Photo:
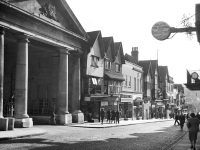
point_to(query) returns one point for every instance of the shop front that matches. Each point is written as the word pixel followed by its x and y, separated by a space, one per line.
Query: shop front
pixel 138 105
pixel 126 106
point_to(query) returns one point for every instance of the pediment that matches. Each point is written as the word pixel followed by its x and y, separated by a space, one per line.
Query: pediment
pixel 57 12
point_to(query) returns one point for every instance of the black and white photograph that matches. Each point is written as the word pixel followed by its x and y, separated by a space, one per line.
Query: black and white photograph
pixel 99 75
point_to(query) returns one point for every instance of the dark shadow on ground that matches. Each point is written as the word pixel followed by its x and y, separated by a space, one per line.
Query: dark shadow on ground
pixel 137 141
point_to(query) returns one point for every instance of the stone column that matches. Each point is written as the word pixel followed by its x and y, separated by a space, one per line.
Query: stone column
pixel 63 115
pixel 21 85
pixel 77 115
pixel 1 70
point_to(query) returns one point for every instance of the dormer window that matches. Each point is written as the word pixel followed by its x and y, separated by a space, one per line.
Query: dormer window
pixel 117 67
pixel 107 64
pixel 94 61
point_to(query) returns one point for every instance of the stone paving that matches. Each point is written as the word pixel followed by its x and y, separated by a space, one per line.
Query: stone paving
pixel 143 136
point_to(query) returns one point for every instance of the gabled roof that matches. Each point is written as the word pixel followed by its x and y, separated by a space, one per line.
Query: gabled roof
pixel 109 42
pixel 147 64
pixel 129 58
pixel 58 10
pixel 163 71
pixel 96 35
pixel 119 49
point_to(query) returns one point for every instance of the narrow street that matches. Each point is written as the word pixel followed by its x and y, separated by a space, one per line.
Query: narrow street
pixel 157 135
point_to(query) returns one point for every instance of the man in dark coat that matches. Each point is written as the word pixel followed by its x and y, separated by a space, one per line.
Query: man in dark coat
pixel 102 113
pixel 182 120
pixel 108 115
pixel 176 119
pixel 117 117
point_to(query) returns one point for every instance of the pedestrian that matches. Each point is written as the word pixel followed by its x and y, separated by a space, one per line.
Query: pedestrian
pixel 193 127
pixel 52 119
pixel 112 116
pixel 176 119
pixel 102 113
pixel 108 115
pixel 198 115
pixel 188 116
pixel 182 120
pixel 117 117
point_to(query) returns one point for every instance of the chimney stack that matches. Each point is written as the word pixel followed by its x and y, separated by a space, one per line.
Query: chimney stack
pixel 134 54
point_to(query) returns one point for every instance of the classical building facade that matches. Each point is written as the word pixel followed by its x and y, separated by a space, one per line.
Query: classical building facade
pixel 40 57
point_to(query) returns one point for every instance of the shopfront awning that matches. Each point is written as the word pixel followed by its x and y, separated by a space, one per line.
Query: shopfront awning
pixel 126 98
pixel 114 76
pixel 138 99
pixel 95 97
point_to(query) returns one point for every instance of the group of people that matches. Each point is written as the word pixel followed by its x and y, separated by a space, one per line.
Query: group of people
pixel 111 115
pixel 193 122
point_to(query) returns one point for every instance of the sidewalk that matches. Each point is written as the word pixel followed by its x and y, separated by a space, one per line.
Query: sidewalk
pixel 121 123
pixel 36 130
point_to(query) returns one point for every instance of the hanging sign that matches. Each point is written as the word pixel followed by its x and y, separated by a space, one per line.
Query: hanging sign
pixel 161 31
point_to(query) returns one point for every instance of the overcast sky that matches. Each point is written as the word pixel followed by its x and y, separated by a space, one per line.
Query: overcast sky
pixel 130 22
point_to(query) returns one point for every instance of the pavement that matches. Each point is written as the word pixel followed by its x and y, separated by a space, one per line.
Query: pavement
pixel 182 143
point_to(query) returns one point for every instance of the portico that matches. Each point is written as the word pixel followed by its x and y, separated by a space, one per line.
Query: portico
pixel 36 53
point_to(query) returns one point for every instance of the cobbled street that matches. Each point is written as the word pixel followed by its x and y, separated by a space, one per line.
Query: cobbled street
pixel 147 136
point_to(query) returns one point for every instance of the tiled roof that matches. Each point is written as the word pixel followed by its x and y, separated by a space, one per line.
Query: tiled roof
pixel 163 71
pixel 146 66
pixel 129 58
pixel 118 48
pixel 93 36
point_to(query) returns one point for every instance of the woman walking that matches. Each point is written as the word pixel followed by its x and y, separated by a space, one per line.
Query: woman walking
pixel 193 127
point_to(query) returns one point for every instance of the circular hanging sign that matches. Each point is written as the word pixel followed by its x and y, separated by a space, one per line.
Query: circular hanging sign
pixel 161 31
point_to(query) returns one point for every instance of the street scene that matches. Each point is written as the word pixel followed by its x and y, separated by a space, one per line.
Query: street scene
pixel 159 134
pixel 116 75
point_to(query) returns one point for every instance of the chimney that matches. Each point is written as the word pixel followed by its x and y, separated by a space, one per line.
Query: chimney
pixel 134 54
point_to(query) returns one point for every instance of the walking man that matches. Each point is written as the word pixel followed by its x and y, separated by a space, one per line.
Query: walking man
pixel 117 117
pixel 176 119
pixel 182 120
pixel 108 115
pixel 102 113
pixel 193 127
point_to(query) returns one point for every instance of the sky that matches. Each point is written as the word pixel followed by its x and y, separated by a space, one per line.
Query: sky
pixel 131 21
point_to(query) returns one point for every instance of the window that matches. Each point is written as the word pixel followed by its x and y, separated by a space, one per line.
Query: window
pixel 130 82
pixel 94 61
pixel 134 84
pixel 138 85
pixel 117 67
pixel 107 64
pixel 126 82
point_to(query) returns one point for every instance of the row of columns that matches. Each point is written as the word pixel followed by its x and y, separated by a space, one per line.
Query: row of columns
pixel 21 86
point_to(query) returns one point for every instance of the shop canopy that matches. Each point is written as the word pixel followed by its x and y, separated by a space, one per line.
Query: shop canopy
pixel 114 76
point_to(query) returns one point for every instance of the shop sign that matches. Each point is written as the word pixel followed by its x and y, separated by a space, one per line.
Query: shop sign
pixel 161 31
pixel 87 99
pixel 104 103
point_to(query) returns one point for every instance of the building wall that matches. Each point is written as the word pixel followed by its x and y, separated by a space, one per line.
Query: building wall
pixel 91 70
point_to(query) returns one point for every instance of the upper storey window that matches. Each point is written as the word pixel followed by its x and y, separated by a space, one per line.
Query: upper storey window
pixel 107 64
pixel 117 67
pixel 94 61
